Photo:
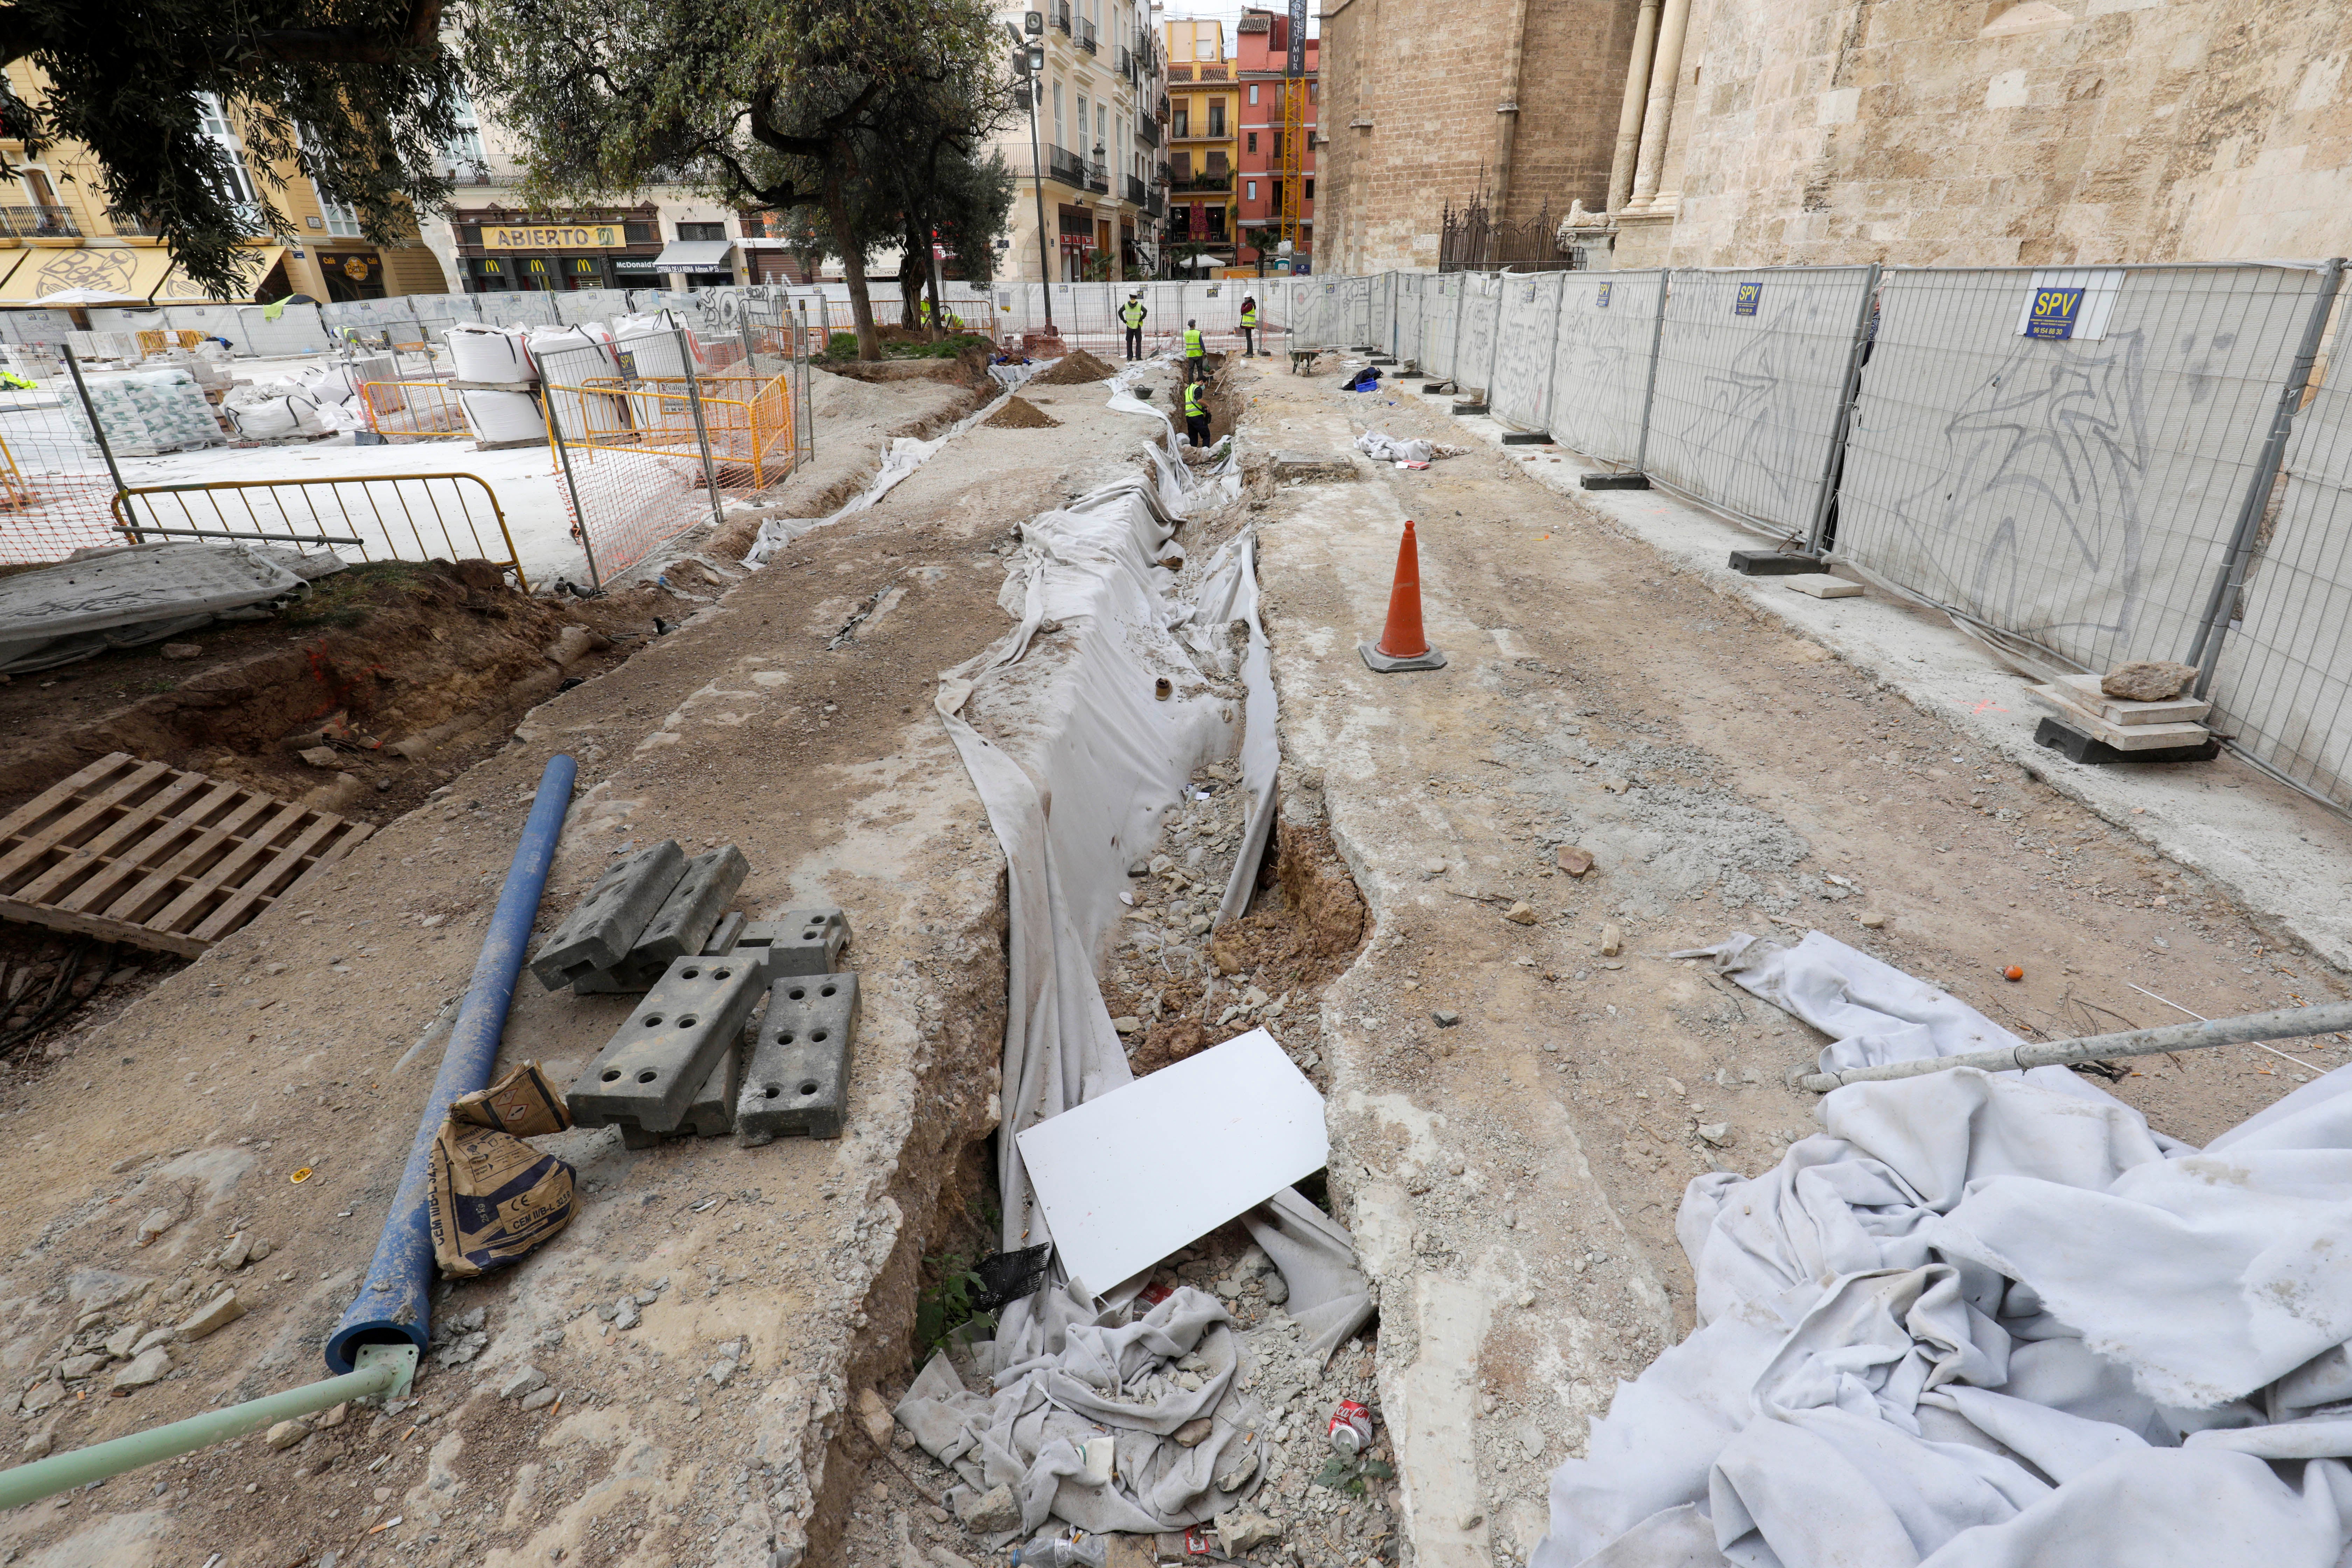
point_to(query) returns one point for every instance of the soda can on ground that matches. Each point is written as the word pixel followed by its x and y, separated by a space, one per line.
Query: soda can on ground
pixel 1351 1427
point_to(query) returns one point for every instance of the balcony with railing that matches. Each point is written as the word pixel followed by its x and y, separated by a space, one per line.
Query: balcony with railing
pixel 1064 165
pixel 478 173
pixel 1203 181
pixel 1126 64
pixel 41 223
pixel 132 227
pixel 1086 36
pixel 1148 133
pixel 1061 15
pixel 1157 204
pixel 1134 191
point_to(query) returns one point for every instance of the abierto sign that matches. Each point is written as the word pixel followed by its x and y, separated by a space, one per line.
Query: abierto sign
pixel 553 236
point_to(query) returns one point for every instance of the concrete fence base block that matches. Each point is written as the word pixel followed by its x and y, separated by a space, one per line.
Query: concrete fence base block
pixel 658 1061
pixel 798 942
pixel 1614 482
pixel 2078 747
pixel 607 925
pixel 1773 563
pixel 798 1082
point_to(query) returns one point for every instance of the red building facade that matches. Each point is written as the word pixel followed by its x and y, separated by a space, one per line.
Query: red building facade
pixel 1261 56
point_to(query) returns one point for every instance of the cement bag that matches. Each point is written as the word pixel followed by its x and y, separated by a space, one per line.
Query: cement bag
pixel 491 353
pixel 501 417
pixel 494 1197
pixel 264 419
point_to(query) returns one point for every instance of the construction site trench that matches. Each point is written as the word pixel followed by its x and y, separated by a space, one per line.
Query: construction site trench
pixel 1518 1083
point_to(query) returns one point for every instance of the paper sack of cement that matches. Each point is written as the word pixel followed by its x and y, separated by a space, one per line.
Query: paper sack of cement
pixel 495 1197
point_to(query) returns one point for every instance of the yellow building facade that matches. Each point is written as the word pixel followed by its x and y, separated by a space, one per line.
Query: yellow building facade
pixel 55 235
pixel 1204 114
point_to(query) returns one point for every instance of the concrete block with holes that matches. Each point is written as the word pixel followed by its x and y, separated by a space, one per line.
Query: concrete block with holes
pixel 713 1112
pixel 798 1080
pixel 653 1068
pixel 600 933
pixel 798 942
pixel 681 925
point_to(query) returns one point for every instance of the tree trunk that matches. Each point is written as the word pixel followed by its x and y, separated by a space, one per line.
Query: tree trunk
pixel 931 282
pixel 852 247
pixel 910 283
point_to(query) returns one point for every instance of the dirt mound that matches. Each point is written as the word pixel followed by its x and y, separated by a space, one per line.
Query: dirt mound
pixel 1020 414
pixel 1077 366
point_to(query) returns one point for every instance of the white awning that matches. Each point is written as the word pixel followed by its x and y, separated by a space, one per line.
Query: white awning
pixel 696 256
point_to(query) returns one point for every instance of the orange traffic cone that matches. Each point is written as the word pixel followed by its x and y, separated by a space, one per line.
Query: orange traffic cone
pixel 1403 645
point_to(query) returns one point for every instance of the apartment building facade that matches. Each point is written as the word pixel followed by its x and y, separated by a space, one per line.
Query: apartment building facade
pixel 1087 150
pixel 1203 138
pixel 54 236
pixel 489 243
pixel 1277 142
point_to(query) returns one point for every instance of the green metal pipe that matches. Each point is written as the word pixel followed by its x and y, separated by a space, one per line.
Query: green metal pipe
pixel 384 1370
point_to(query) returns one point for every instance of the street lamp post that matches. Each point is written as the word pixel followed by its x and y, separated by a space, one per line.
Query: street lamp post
pixel 1102 171
pixel 1034 79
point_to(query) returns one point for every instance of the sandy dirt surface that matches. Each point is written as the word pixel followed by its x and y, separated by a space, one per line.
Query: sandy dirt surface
pixel 709 1315
pixel 1515 1107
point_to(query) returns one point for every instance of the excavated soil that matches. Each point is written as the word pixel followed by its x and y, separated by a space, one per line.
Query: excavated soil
pixel 1020 414
pixel 1075 367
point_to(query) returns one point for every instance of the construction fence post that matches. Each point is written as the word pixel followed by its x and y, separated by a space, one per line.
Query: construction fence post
pixel 2230 579
pixel 1834 464
pixel 701 430
pixel 1551 376
pixel 1649 387
pixel 97 427
pixel 570 484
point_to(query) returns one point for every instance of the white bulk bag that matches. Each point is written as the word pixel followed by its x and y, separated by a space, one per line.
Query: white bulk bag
pixel 572 366
pixel 265 420
pixel 491 353
pixel 501 417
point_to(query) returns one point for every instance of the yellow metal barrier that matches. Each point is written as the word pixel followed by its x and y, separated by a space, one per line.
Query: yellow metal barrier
pixel 747 419
pixel 412 410
pixel 387 516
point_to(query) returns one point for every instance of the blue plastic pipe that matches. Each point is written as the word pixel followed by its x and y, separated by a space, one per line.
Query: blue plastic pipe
pixel 392 1307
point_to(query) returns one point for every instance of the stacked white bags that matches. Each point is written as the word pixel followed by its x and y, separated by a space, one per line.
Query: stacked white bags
pixel 147 413
pixel 498 417
pixel 497 355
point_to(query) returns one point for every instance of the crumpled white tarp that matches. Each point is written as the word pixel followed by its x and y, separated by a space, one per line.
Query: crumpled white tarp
pixel 905 456
pixel 127 595
pixel 1388 449
pixel 1987 1320
pixel 1075 781
pixel 1067 1371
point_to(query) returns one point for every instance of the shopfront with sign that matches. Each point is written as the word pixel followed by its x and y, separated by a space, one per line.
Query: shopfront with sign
pixel 351 274
pixel 501 253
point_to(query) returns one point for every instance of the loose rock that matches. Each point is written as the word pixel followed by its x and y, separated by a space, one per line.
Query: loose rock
pixel 992 1512
pixel 141 1371
pixel 285 1434
pixel 213 1316
pixel 318 756
pixel 1245 1529
pixel 1445 1020
pixel 875 1417
pixel 157 1221
pixel 1194 1432
pixel 522 1381
pixel 183 650
pixel 539 1400
pixel 1576 862
pixel 1612 940
pixel 1522 913
pixel 2147 680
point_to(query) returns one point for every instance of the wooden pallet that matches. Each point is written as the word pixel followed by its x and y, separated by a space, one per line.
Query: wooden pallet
pixel 138 852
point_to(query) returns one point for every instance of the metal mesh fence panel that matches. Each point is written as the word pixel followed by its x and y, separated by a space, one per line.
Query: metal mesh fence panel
pixel 2284 683
pixel 532 310
pixel 630 446
pixel 1404 316
pixel 1601 360
pixel 1440 304
pixel 2059 456
pixel 1751 377
pixel 55 487
pixel 1474 354
pixel 1521 393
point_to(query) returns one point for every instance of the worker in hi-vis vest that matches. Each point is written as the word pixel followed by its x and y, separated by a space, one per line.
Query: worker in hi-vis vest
pixel 1196 356
pixel 1132 313
pixel 1196 413
pixel 1249 328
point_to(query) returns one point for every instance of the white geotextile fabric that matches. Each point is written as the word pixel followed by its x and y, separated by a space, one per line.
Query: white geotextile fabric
pixel 905 456
pixel 1989 1321
pixel 126 595
pixel 1075 781
pixel 1389 450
